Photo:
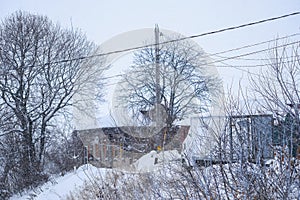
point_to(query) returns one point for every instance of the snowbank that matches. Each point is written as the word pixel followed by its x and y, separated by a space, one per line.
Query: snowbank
pixel 154 160
pixel 63 186
pixel 59 188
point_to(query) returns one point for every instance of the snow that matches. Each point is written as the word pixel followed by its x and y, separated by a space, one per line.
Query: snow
pixel 59 188
pixel 74 182
pixel 64 185
pixel 147 162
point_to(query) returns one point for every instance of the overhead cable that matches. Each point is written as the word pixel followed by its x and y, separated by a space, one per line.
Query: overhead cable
pixel 179 39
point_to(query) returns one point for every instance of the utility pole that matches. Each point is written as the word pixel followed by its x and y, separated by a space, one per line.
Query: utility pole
pixel 158 118
pixel 157 80
pixel 157 71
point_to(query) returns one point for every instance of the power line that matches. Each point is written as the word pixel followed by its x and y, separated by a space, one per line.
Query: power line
pixel 252 66
pixel 230 58
pixel 251 59
pixel 256 44
pixel 247 59
pixel 252 45
pixel 179 39
pixel 251 53
pixel 257 75
pixel 243 25
pixel 225 65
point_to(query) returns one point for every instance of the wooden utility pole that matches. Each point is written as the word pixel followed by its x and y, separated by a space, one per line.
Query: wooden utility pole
pixel 157 71
pixel 158 118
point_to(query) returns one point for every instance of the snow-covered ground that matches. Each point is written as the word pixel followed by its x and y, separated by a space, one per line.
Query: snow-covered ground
pixel 76 182
pixel 154 160
pixel 60 187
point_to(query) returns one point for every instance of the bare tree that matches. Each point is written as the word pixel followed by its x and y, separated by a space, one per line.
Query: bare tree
pixel 185 87
pixel 278 91
pixel 40 65
pixel 241 164
pixel 278 87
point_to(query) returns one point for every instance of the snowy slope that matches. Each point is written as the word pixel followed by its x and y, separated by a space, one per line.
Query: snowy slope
pixel 60 187
pixel 63 186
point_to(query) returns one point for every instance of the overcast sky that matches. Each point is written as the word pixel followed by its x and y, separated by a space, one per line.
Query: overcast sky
pixel 101 20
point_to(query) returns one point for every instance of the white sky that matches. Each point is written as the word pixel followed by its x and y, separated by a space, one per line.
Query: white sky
pixel 103 19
